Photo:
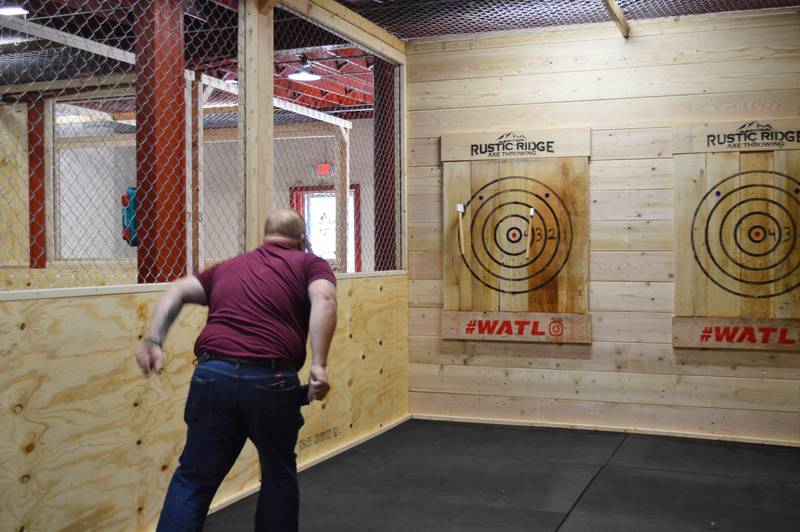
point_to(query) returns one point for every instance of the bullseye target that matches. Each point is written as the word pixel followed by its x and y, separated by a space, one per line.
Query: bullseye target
pixel 501 229
pixel 744 234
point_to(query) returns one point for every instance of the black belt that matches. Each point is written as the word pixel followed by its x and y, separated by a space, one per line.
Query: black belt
pixel 271 363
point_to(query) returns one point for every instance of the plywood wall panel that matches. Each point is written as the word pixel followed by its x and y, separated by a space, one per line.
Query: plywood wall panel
pixel 90 444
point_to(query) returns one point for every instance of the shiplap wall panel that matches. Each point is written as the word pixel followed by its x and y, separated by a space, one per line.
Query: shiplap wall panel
pixel 613 53
pixel 612 114
pixel 612 84
pixel 735 66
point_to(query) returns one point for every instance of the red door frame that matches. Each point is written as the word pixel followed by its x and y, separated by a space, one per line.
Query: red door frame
pixel 297 201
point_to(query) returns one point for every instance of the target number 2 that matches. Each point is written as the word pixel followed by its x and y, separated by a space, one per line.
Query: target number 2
pixel 538 234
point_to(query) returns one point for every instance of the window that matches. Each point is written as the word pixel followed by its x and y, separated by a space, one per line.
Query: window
pixel 318 207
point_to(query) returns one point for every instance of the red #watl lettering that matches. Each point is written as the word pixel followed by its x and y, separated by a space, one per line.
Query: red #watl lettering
pixel 746 335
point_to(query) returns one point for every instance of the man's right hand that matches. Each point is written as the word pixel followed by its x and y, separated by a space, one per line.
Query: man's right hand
pixel 149 357
pixel 318 386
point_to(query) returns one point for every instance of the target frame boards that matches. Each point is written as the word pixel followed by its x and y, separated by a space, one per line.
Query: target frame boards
pixel 737 247
pixel 516 239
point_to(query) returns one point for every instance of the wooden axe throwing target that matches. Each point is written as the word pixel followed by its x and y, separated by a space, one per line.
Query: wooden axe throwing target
pixel 516 236
pixel 744 234
pixel 501 228
pixel 737 251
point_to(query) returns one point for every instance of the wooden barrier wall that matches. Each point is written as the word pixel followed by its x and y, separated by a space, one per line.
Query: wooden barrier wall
pixel 90 444
pixel 733 66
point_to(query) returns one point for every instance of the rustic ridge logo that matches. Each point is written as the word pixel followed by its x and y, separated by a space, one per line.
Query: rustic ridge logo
pixel 753 135
pixel 513 145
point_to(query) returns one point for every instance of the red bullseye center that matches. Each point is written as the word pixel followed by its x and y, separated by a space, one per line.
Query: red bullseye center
pixel 514 235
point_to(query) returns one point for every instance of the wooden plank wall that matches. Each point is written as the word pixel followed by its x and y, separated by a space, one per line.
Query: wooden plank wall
pixel 734 66
pixel 90 444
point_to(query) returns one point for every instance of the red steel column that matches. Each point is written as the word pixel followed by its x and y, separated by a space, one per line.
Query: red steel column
pixel 160 140
pixel 37 219
pixel 385 166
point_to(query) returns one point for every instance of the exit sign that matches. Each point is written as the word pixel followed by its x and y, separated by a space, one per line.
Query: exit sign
pixel 324 168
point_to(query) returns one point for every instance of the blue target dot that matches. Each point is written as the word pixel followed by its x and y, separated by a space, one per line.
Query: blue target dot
pixel 547 195
pixel 718 193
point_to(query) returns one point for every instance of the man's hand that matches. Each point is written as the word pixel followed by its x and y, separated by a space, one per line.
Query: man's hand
pixel 318 383
pixel 149 357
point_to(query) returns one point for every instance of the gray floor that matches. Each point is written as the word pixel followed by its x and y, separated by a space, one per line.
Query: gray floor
pixel 446 476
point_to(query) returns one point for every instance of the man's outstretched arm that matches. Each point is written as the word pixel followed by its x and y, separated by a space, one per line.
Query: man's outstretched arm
pixel 322 325
pixel 149 354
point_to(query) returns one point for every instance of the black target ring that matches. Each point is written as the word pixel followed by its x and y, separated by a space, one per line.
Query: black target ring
pixel 773 210
pixel 737 262
pixel 552 224
pixel 752 231
pixel 513 234
pixel 756 233
pixel 486 229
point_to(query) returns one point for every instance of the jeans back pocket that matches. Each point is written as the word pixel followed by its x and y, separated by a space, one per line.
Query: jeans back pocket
pixel 198 403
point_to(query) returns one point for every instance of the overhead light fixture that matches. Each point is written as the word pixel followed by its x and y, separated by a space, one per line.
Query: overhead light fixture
pixel 304 74
pixel 12 11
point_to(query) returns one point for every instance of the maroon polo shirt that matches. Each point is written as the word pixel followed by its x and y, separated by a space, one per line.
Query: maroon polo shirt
pixel 258 304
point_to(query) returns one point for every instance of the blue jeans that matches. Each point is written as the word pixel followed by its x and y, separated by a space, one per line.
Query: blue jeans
pixel 227 404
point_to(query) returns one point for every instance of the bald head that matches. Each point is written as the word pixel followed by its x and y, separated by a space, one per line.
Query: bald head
pixel 286 224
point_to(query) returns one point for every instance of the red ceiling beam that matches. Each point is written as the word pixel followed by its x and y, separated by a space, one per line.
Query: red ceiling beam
pixel 345 91
pixel 319 90
pixel 314 101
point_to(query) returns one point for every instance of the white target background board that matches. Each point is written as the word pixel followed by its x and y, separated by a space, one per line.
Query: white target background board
pixel 737 216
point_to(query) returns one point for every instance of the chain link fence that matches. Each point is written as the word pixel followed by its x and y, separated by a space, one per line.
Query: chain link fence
pixel 336 128
pixel 121 156
pixel 121 152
